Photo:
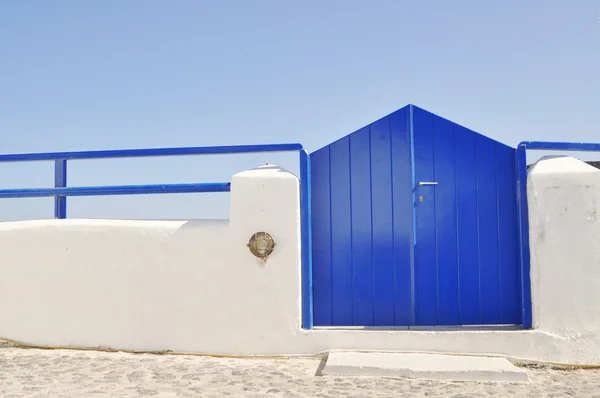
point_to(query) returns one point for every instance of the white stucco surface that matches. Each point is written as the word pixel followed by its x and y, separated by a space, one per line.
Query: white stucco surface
pixel 424 366
pixel 157 284
pixel 193 286
pixel 563 195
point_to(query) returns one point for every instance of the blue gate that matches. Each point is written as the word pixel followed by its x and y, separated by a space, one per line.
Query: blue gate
pixel 414 223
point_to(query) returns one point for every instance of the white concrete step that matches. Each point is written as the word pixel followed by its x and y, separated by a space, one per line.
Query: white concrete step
pixel 424 366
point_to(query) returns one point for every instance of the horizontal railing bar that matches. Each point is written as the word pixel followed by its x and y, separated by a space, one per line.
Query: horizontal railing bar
pixel 151 152
pixel 115 190
pixel 560 146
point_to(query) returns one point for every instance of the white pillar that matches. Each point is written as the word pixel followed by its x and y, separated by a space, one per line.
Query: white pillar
pixel 563 195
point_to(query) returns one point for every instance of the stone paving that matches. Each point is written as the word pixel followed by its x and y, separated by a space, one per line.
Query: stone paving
pixel 67 373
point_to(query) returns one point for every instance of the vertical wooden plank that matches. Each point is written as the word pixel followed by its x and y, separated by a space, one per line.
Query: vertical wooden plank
pixel 426 297
pixel 362 252
pixel 485 157
pixel 508 236
pixel 383 229
pixel 341 233
pixel 321 222
pixel 403 213
pixel 445 221
pixel 465 175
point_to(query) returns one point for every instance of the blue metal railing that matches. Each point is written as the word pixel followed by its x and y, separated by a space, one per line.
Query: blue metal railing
pixel 61 191
pixel 521 156
pixel 113 190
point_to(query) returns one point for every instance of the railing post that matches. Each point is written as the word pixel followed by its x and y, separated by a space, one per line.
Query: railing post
pixel 60 181
pixel 306 241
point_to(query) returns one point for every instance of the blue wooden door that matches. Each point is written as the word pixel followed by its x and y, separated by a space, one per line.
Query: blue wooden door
pixel 467 269
pixel 362 222
pixel 414 224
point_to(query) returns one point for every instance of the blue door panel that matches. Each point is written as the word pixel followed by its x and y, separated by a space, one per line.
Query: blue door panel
pixel 362 250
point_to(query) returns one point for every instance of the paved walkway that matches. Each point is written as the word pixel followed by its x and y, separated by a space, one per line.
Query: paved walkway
pixel 64 373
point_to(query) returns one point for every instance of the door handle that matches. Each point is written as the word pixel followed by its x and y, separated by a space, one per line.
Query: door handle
pixel 423 183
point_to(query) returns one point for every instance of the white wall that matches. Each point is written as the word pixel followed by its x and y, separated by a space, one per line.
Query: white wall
pixel 563 198
pixel 194 287
pixel 157 284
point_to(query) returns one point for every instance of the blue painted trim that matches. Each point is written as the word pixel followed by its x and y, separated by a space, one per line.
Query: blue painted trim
pixel 560 146
pixel 522 205
pixel 60 192
pixel 60 181
pixel 152 152
pixel 115 190
pixel 306 230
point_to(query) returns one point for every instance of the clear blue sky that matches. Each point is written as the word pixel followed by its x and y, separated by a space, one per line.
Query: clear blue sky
pixel 83 75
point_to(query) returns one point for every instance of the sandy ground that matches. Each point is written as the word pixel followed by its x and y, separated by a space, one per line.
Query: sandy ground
pixel 65 373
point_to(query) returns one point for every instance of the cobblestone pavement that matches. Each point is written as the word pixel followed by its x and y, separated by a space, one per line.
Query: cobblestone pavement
pixel 65 373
